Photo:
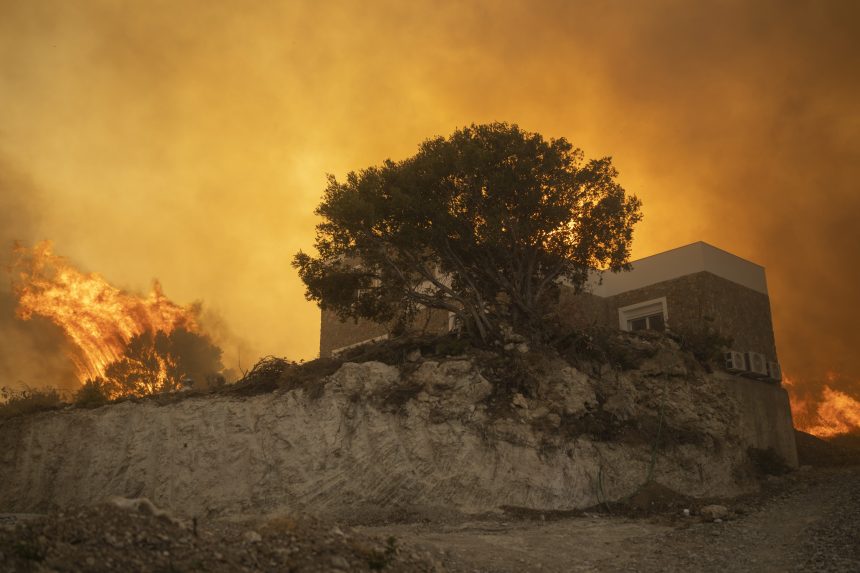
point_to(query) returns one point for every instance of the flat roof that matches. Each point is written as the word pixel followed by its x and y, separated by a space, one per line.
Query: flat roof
pixel 679 262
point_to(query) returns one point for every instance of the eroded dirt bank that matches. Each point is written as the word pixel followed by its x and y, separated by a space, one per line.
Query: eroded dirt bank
pixel 425 439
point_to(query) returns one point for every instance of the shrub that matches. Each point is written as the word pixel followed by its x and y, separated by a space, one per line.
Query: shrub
pixel 92 394
pixel 28 401
pixel 704 341
pixel 600 345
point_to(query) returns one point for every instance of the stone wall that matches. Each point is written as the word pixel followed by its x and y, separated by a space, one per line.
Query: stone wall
pixel 336 333
pixel 583 310
pixel 736 311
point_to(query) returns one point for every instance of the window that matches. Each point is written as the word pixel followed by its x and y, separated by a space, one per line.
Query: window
pixel 648 315
pixel 374 284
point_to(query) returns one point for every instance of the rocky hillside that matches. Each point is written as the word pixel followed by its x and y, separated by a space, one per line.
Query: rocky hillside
pixel 422 438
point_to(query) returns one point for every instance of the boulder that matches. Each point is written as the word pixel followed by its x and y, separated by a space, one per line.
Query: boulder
pixel 714 512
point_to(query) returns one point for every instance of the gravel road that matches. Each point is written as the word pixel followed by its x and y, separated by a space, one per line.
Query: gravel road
pixel 806 521
pixel 809 521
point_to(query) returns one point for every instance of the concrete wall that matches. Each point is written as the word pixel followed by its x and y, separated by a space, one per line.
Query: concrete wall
pixel 765 416
pixel 676 263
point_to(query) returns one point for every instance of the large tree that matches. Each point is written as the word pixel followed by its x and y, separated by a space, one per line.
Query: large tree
pixel 485 224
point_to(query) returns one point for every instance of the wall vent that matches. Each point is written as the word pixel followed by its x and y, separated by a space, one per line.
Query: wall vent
pixel 735 361
pixel 757 364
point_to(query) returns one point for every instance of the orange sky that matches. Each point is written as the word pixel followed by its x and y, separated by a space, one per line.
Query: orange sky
pixel 189 140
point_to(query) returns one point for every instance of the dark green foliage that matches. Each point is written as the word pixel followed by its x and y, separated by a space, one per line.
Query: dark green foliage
pixel 600 345
pixel 482 224
pixel 704 341
pixel 93 393
pixel 28 401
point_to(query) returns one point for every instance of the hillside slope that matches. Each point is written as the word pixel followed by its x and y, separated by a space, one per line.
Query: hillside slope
pixel 381 441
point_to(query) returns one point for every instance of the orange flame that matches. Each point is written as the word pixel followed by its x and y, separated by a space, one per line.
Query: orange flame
pixel 97 317
pixel 833 414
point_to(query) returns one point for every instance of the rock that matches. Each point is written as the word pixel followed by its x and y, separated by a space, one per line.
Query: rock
pixel 520 401
pixel 455 367
pixel 361 378
pixel 252 537
pixel 573 390
pixel 664 362
pixel 523 348
pixel 714 512
pixel 455 382
pixel 554 419
pixel 413 355
pixel 144 506
pixel 686 513
pixel 677 370
pixel 509 346
pixel 511 336
pixel 339 562
pixel 539 412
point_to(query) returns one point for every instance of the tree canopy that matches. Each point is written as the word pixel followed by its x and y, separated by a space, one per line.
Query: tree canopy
pixel 485 223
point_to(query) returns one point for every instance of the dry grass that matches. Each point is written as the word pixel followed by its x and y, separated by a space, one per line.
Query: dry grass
pixel 28 401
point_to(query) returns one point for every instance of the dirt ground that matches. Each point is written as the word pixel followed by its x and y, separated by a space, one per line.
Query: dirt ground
pixel 807 521
pixel 804 521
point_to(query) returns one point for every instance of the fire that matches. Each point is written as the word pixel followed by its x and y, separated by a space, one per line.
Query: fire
pixel 97 317
pixel 833 414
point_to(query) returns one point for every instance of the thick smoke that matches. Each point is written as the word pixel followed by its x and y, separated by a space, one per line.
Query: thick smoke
pixel 204 131
pixel 33 353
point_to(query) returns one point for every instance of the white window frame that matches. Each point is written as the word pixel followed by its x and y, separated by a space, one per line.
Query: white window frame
pixel 631 312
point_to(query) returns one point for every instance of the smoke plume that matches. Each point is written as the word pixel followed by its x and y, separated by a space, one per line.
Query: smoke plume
pixel 33 353
pixel 198 134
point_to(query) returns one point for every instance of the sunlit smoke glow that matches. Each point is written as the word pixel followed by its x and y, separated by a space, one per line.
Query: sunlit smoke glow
pixel 99 318
pixel 831 414
pixel 208 129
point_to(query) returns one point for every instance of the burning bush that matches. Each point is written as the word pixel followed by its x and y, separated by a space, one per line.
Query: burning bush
pixel 159 362
pixel 122 343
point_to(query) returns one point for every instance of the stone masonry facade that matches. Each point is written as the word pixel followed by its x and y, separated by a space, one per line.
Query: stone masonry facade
pixel 736 311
